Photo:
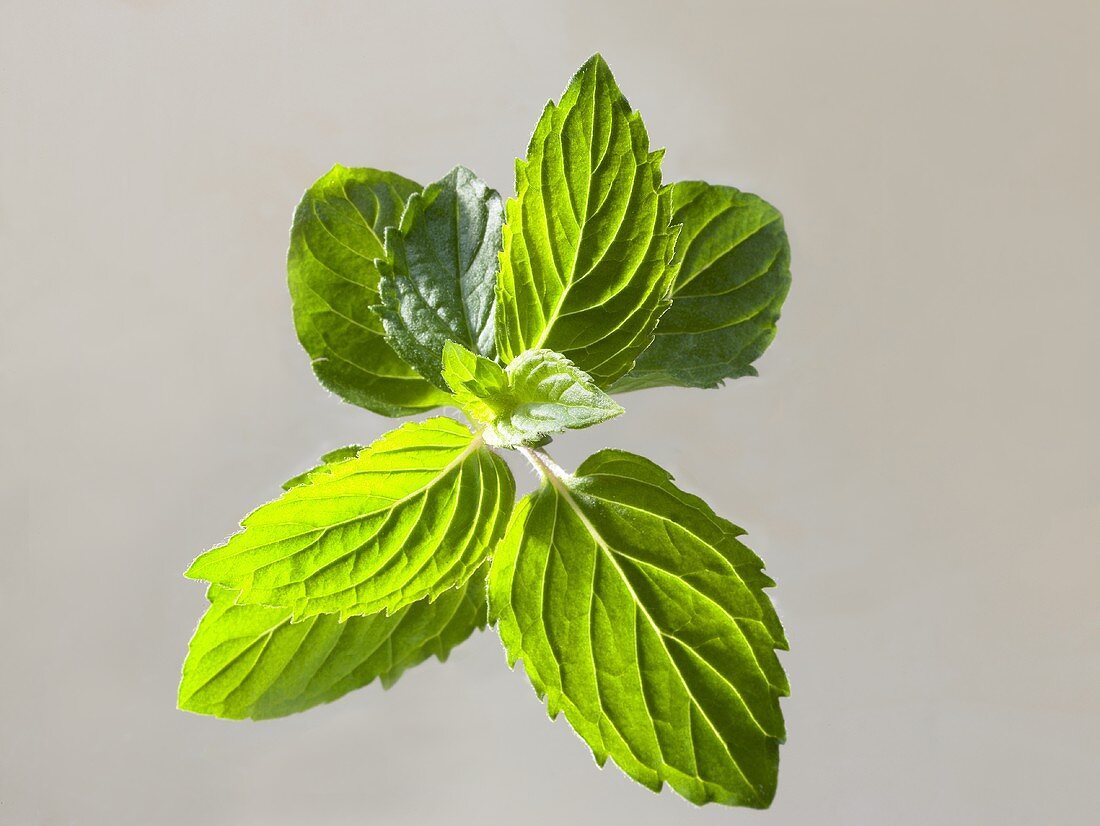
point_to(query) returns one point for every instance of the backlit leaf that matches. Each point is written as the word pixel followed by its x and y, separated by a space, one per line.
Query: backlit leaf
pixel 252 661
pixel 409 517
pixel 585 268
pixel 639 613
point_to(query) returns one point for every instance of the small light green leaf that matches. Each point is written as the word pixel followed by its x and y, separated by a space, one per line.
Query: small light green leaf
pixel 479 385
pixel 336 237
pixel 438 280
pixel 252 661
pixel 638 612
pixel 549 395
pixel 411 516
pixel 540 393
pixel 585 269
pixel 734 274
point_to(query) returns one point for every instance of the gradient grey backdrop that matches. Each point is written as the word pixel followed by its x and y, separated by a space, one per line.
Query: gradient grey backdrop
pixel 918 464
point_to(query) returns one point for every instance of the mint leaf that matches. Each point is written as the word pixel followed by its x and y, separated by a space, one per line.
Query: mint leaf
pixel 587 244
pixel 411 516
pixel 252 661
pixel 479 385
pixel 638 612
pixel 549 395
pixel 540 393
pixel 336 237
pixel 341 454
pixel 438 281
pixel 734 274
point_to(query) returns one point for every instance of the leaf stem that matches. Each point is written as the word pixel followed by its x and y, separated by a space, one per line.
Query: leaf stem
pixel 545 465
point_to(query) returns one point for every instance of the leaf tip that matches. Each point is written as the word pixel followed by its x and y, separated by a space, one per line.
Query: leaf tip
pixel 194 570
pixel 595 63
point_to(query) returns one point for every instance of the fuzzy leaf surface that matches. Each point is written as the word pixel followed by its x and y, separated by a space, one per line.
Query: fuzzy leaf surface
pixel 639 613
pixel 585 269
pixel 336 236
pixel 734 273
pixel 252 661
pixel 549 394
pixel 438 280
pixel 409 517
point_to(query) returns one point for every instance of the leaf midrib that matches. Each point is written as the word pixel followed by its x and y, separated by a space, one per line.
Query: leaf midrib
pixel 567 282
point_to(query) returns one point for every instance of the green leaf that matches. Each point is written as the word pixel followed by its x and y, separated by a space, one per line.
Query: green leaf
pixel 252 661
pixel 411 516
pixel 476 382
pixel 341 454
pixel 540 393
pixel 549 394
pixel 637 611
pixel 734 274
pixel 438 281
pixel 585 268
pixel 336 237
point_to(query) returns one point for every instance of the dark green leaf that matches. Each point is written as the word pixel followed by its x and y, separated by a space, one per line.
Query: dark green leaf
pixel 438 281
pixel 733 276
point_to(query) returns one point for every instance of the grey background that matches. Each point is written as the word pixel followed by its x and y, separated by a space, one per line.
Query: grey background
pixel 918 464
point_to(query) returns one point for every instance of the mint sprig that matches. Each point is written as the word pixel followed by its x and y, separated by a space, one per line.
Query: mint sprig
pixel 636 610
